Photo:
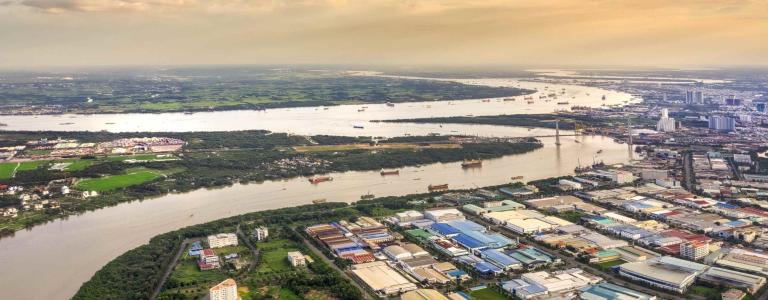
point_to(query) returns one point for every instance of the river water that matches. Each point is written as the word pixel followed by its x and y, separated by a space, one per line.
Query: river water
pixel 51 261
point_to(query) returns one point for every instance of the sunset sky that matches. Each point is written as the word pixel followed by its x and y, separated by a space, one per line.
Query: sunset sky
pixel 448 32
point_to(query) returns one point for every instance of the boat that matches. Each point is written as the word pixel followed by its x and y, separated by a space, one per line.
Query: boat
pixel 528 98
pixel 603 97
pixel 517 177
pixel 110 123
pixel 599 151
pixel 367 196
pixel 389 172
pixel 390 104
pixel 3 124
pixel 577 141
pixel 360 109
pixel 189 113
pixel 358 126
pixel 486 100
pixel 473 163
pixel 562 103
pixel 530 101
pixel 437 187
pixel 67 123
pixel 318 201
pixel 319 179
pixel 325 108
pixel 509 99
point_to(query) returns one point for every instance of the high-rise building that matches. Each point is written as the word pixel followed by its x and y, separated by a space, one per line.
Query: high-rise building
pixel 665 124
pixel 694 250
pixel 721 123
pixel 698 97
pixel 226 290
pixel 694 97
pixel 261 233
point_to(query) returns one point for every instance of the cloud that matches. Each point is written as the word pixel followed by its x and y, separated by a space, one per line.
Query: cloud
pixel 59 6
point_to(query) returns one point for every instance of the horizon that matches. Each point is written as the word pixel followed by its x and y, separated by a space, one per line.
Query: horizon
pixel 390 33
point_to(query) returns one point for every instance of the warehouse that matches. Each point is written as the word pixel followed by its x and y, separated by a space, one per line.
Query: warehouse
pixel 528 226
pixel 382 279
pixel 664 272
pixel 609 291
pixel 501 260
pixel 720 276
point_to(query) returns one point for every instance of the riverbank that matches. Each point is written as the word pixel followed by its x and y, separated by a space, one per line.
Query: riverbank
pixel 217 89
pixel 219 159
pixel 567 121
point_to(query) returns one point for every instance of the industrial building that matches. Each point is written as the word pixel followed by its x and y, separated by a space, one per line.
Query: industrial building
pixel 745 260
pixel 664 272
pixel 731 278
pixel 609 291
pixel 554 283
pixel 382 279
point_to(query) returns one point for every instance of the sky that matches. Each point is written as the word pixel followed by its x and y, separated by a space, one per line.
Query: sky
pixel 383 32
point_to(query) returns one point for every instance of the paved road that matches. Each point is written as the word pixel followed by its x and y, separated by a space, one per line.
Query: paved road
pixel 322 256
pixel 254 251
pixel 169 268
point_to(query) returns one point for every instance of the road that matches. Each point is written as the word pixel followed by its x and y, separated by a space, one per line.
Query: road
pixel 169 268
pixel 328 261
pixel 254 251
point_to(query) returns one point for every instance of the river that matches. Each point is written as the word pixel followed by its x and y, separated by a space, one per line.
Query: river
pixel 51 261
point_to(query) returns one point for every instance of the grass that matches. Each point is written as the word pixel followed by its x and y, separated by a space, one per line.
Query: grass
pixel 274 255
pixel 286 294
pixel 6 170
pixel 487 294
pixel 142 157
pixel 109 183
pixel 606 266
pixel 78 164
pixel 31 165
pixel 187 271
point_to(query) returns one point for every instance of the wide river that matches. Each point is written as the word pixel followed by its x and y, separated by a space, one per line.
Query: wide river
pixel 51 261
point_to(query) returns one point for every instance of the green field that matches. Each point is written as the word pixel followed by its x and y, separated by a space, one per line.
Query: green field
pixel 487 294
pixel 274 256
pixel 109 183
pixel 6 169
pixel 187 272
pixel 142 157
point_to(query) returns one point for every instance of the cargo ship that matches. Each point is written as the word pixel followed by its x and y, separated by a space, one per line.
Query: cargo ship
pixel 389 172
pixel 318 201
pixel 437 187
pixel 474 163
pixel 319 179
